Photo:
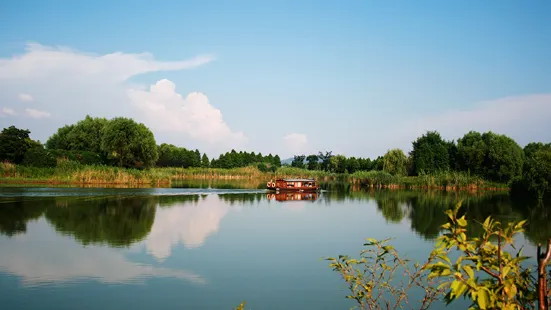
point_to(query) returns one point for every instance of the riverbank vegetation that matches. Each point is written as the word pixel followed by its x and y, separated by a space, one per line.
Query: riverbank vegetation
pixel 485 271
pixel 476 160
pixel 120 150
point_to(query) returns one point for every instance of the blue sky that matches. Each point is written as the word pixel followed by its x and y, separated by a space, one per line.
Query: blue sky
pixel 354 77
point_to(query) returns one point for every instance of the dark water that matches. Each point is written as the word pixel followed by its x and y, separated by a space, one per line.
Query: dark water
pixel 199 247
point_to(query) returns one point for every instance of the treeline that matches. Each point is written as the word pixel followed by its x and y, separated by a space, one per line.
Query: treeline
pixel 336 163
pixel 491 156
pixel 117 142
pixel 123 142
pixel 235 159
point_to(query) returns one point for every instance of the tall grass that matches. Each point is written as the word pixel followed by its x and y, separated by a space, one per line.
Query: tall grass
pixel 71 172
pixel 450 180
pixel 211 173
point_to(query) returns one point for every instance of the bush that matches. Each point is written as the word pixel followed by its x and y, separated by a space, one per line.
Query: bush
pixel 536 176
pixel 485 272
pixel 40 157
pixel 262 167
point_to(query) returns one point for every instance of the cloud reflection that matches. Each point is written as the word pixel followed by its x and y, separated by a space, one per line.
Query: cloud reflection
pixel 184 223
pixel 41 257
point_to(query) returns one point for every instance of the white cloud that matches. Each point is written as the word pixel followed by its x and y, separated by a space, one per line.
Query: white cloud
pixel 296 143
pixel 183 223
pixel 524 118
pixel 41 61
pixel 71 84
pixel 166 110
pixel 7 111
pixel 25 97
pixel 37 114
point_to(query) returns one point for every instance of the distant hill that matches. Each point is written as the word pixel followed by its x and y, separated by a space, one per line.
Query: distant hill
pixel 287 161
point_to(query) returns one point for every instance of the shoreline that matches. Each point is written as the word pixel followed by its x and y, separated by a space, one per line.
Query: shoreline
pixel 165 177
pixel 168 184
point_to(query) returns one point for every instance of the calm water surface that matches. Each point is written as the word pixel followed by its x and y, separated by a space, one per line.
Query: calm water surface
pixel 198 247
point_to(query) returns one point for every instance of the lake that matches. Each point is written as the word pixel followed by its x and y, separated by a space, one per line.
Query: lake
pixel 202 245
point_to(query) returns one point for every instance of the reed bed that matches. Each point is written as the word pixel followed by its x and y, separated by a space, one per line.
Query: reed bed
pixel 74 173
pixel 79 174
pixel 444 180
pixel 211 173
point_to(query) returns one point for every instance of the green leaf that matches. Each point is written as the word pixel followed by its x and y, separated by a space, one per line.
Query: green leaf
pixel 371 241
pixel 469 271
pixel 483 299
pixel 461 221
pixel 506 270
pixel 487 222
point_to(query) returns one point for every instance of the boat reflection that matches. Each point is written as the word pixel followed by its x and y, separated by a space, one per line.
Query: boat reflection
pixel 292 196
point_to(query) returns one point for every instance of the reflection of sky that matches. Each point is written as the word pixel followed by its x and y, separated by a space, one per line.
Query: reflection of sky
pixel 184 223
pixel 42 256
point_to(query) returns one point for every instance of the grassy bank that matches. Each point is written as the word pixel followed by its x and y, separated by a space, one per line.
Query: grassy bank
pixel 80 174
pixel 444 180
pixel 72 173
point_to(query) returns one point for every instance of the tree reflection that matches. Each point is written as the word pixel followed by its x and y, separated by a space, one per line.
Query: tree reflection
pixel 114 221
pixel 538 229
pixel 241 198
pixel 391 208
pixel 121 221
pixel 15 215
pixel 425 209
pixel 427 216
pixel 167 201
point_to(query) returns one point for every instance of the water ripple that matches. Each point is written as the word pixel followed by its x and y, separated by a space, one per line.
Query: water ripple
pixel 87 192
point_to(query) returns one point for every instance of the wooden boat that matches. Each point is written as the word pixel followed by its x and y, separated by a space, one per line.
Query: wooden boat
pixel 295 185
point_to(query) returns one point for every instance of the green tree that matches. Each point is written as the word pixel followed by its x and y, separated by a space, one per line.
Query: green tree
pixel 85 135
pixel 197 159
pixel 471 153
pixel 395 162
pixel 60 139
pixel 536 175
pixel 337 164
pixel 452 153
pixel 365 164
pixel 277 161
pixel 377 164
pixel 298 161
pixel 128 143
pixel 430 154
pixel 312 162
pixel 533 147
pixel 352 164
pixel 504 158
pixel 269 159
pixel 325 160
pixel 205 161
pixel 37 156
pixel 14 143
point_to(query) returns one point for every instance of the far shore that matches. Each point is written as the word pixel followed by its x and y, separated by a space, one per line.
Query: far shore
pixel 164 177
